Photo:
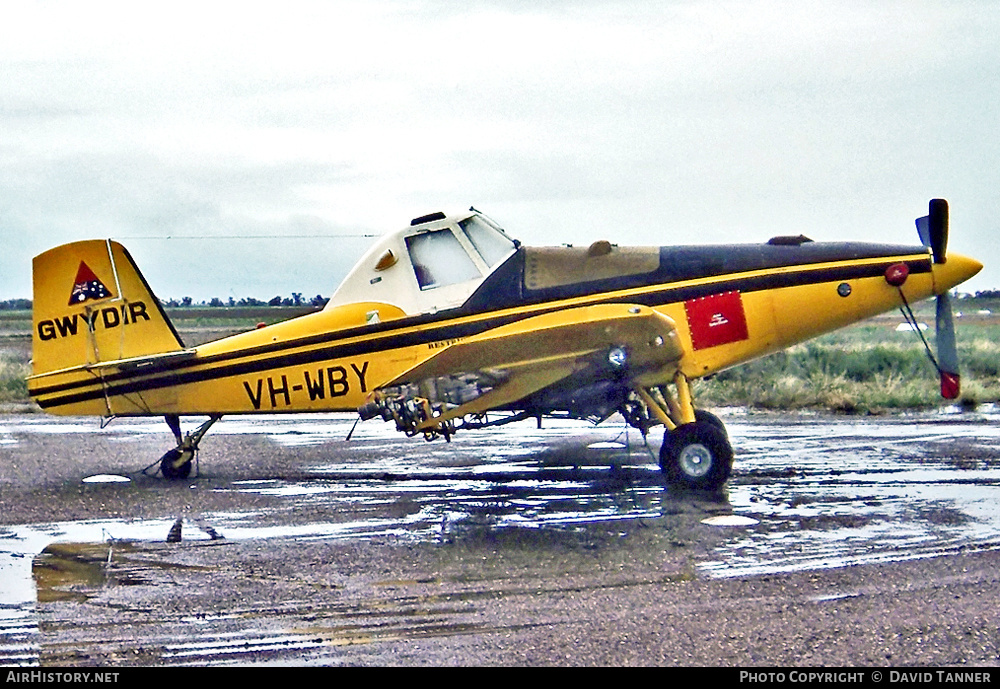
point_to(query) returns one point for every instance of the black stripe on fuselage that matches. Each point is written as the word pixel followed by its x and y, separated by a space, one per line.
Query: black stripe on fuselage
pixel 452 324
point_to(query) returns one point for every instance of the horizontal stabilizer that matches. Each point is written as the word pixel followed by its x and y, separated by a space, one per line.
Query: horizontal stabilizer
pixel 139 364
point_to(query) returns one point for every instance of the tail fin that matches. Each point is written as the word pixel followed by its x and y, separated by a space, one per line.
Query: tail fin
pixel 92 305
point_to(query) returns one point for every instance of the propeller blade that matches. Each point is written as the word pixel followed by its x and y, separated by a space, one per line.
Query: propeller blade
pixel 933 229
pixel 937 214
pixel 924 230
pixel 947 352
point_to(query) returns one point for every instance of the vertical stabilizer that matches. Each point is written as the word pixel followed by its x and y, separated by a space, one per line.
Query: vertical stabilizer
pixel 92 305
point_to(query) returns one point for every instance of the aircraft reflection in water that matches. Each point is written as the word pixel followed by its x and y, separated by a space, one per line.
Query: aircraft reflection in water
pixel 449 318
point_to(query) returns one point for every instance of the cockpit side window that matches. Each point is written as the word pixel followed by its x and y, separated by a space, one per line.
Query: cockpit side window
pixel 439 259
pixel 491 244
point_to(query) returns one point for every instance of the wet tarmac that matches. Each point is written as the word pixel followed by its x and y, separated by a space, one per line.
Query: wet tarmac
pixel 295 546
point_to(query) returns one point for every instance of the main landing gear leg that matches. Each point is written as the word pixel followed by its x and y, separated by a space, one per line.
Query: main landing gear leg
pixel 176 463
pixel 696 451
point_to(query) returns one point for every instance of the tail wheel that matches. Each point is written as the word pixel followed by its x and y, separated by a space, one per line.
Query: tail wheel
pixel 697 455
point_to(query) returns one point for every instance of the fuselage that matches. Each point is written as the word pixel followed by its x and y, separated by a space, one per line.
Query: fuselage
pixel 730 303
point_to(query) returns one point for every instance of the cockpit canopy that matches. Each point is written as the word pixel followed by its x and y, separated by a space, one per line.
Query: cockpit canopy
pixel 436 263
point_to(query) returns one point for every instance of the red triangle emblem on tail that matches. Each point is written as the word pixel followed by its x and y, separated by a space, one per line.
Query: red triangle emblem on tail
pixel 87 286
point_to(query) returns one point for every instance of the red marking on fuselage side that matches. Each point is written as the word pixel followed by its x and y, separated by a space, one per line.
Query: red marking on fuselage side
pixel 716 320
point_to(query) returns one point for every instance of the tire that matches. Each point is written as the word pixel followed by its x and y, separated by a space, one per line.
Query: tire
pixel 170 471
pixel 697 455
pixel 707 417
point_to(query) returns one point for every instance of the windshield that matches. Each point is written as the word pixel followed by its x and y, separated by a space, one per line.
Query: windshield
pixel 439 259
pixel 492 244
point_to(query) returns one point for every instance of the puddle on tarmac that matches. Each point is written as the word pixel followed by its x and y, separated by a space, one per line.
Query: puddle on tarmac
pixel 501 479
pixel 833 492
pixel 810 492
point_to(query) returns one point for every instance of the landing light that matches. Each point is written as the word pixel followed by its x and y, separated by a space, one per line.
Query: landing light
pixel 618 357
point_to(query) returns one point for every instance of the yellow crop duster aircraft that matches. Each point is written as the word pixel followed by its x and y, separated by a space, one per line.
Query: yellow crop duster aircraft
pixel 449 319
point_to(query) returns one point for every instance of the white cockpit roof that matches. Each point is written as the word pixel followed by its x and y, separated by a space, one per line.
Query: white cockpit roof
pixel 436 263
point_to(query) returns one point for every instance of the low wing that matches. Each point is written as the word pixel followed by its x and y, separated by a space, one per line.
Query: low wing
pixel 497 368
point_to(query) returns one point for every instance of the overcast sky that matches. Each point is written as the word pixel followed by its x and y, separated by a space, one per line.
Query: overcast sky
pixel 640 122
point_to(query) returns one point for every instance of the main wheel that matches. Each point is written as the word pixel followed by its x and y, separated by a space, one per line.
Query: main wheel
pixel 169 467
pixel 707 417
pixel 697 455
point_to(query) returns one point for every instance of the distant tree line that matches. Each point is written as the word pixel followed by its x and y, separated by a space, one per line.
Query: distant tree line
pixel 295 300
pixel 15 305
